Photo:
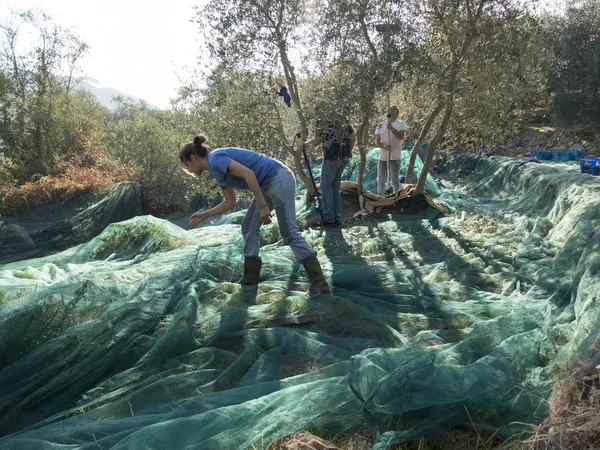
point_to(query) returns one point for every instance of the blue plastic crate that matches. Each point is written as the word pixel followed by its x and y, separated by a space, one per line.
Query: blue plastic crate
pixel 542 156
pixel 568 155
pixel 560 156
pixel 590 165
pixel 574 155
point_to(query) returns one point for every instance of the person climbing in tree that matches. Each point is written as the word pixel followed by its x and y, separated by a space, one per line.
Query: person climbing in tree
pixel 390 130
pixel 281 90
pixel 273 186
pixel 337 137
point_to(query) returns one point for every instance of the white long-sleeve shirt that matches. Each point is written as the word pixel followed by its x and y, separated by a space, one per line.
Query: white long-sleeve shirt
pixel 385 134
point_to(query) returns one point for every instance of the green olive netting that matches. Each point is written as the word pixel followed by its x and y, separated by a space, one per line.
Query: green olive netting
pixel 141 338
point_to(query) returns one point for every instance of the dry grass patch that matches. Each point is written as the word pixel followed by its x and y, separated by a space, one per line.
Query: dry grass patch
pixel 574 422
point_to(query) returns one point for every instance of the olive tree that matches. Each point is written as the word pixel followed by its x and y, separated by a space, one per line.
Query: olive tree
pixel 257 36
pixel 454 36
pixel 363 47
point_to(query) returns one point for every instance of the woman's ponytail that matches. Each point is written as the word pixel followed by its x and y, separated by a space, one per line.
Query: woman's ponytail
pixel 196 147
pixel 199 147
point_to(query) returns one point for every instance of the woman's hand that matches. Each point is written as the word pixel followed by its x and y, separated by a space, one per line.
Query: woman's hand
pixel 265 215
pixel 197 217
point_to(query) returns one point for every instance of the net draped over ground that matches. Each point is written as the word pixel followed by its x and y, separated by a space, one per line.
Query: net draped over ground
pixel 141 338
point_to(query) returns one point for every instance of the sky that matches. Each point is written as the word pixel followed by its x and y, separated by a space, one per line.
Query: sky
pixel 140 48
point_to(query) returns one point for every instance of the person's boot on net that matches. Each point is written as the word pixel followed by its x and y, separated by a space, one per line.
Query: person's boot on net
pixel 318 284
pixel 252 265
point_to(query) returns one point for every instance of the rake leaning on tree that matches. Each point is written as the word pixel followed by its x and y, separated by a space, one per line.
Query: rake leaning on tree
pixel 273 186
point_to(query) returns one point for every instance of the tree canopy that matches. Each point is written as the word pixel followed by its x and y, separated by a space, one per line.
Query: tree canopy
pixel 462 72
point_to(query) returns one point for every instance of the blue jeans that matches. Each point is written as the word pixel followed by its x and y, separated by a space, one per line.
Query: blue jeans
pixel 331 178
pixel 280 195
pixel 382 175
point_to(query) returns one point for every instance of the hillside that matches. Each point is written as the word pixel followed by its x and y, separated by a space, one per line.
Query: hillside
pixel 106 95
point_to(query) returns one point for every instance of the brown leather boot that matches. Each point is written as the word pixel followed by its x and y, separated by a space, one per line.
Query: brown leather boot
pixel 318 285
pixel 252 266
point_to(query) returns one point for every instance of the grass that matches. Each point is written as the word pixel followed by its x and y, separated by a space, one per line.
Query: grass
pixel 7 297
pixel 574 421
pixel 303 440
pixel 49 317
pixel 136 238
pixel 364 440
pixel 290 366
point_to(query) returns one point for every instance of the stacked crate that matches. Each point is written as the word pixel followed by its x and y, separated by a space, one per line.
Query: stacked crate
pixel 567 155
pixel 590 165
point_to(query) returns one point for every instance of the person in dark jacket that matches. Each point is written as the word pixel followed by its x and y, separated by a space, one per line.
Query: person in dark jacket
pixel 337 138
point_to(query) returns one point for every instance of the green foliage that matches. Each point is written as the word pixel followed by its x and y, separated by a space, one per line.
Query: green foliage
pixel 146 143
pixel 44 124
pixel 363 48
pixel 238 109
pixel 367 42
pixel 489 59
pixel 258 36
pixel 249 35
pixel 575 79
pixel 503 76
pixel 492 64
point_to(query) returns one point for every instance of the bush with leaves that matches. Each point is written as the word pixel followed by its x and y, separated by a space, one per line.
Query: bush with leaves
pixel 44 122
pixel 238 109
pixel 575 78
pixel 145 142
pixel 46 189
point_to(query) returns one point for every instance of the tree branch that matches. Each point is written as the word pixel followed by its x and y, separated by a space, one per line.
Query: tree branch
pixel 433 145
pixel 365 31
pixel 424 131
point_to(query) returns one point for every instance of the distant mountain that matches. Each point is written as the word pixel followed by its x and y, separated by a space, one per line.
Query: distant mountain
pixel 105 95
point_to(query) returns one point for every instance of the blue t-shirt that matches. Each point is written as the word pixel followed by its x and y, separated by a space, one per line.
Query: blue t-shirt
pixel 263 167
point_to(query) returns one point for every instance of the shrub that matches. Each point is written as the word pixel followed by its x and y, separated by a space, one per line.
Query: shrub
pixel 42 190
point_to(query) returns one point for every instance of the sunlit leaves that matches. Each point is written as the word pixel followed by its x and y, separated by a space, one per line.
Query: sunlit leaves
pixel 575 79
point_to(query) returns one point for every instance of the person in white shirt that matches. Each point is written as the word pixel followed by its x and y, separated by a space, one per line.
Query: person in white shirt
pixel 390 130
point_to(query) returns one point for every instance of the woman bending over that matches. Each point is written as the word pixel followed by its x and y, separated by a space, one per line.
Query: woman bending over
pixel 273 186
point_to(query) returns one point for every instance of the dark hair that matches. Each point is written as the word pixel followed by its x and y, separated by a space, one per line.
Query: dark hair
pixel 196 147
